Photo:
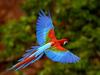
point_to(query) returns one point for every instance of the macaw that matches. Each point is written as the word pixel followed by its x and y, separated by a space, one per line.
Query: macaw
pixel 49 45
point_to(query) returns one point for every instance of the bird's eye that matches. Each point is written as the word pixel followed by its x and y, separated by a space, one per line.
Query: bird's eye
pixel 65 42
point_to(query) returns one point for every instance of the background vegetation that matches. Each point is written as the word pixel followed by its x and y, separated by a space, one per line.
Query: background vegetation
pixel 77 20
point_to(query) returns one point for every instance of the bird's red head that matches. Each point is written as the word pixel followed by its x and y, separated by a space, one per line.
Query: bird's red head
pixel 63 41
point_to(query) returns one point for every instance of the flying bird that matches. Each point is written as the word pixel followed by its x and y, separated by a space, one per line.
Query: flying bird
pixel 49 45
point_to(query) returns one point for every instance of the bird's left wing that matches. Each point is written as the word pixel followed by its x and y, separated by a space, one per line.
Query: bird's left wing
pixel 43 27
pixel 62 56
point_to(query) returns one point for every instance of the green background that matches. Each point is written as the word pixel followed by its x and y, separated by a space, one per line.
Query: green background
pixel 78 20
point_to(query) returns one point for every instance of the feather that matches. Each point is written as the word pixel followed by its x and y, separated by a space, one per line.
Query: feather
pixel 33 60
pixel 29 52
pixel 63 57
pixel 28 63
pixel 41 49
pixel 20 67
pixel 44 24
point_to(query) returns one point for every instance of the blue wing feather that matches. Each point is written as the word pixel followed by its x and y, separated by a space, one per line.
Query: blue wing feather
pixel 63 57
pixel 44 24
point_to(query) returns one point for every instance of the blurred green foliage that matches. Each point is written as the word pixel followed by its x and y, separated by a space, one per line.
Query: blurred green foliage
pixel 16 36
pixel 76 19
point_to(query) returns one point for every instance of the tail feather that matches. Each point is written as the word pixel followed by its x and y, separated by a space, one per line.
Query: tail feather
pixel 20 67
pixel 28 53
pixel 31 56
pixel 33 60
pixel 26 62
pixel 32 49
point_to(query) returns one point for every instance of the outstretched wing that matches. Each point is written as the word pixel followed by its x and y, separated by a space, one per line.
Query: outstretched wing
pixel 44 25
pixel 62 56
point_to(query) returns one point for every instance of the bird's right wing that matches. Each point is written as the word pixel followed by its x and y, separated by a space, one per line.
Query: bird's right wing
pixel 62 56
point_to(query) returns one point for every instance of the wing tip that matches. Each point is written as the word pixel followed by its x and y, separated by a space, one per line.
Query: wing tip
pixel 41 13
pixel 71 57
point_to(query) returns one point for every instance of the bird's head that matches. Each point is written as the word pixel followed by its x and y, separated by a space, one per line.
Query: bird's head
pixel 63 41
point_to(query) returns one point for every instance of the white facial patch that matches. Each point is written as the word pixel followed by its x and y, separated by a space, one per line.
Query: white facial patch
pixel 65 42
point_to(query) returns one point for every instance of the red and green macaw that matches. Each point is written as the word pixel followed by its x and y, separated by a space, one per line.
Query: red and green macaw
pixel 49 45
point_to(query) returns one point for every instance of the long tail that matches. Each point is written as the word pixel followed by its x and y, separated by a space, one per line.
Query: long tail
pixel 26 62
pixel 26 59
pixel 31 56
